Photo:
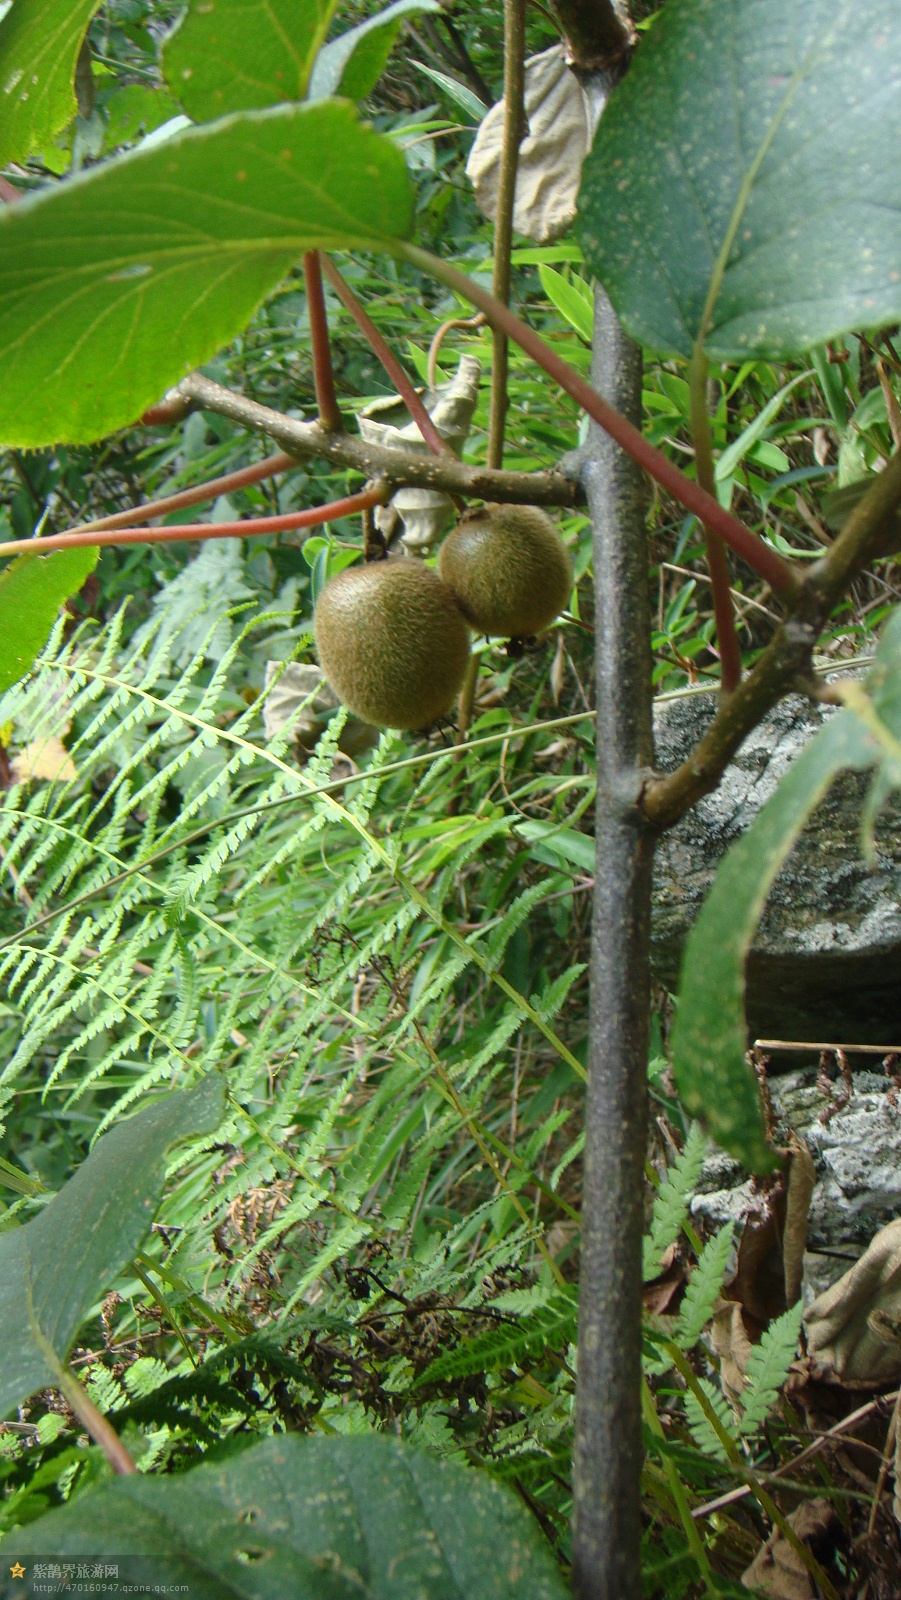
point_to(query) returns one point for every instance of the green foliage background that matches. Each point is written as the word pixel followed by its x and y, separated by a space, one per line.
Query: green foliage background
pixel 389 968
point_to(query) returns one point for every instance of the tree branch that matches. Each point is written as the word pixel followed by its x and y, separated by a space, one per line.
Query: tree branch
pixel 599 34
pixel 788 656
pixel 305 440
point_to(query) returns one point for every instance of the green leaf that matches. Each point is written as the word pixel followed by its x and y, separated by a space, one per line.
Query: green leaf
pixel 328 1519
pixel 136 109
pixel 32 589
pixel 53 1269
pixel 237 55
pixel 573 299
pixel 555 844
pixel 456 91
pixel 39 45
pixel 702 1430
pixel 709 1039
pixel 117 283
pixel 734 454
pixel 758 209
pixel 352 64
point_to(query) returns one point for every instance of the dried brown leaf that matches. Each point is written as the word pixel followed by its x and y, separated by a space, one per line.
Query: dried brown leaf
pixel 777 1571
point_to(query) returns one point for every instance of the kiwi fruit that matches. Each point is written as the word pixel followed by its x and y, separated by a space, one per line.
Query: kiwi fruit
pixel 392 642
pixel 508 569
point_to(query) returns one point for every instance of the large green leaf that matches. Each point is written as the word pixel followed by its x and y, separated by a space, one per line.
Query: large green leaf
pixel 39 45
pixel 363 1518
pixel 353 63
pixel 234 55
pixel 709 1037
pixel 117 283
pixel 54 1268
pixel 744 187
pixel 32 589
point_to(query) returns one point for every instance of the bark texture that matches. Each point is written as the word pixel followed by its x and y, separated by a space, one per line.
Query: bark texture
pixel 608 1443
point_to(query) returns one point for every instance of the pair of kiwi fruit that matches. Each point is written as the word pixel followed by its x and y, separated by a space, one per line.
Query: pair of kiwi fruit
pixel 393 636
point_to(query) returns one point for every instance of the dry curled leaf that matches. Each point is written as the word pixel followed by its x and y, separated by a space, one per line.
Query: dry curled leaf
pixel 729 1338
pixel 561 117
pixel 840 1323
pixel 426 514
pixel 778 1571
pixel 296 694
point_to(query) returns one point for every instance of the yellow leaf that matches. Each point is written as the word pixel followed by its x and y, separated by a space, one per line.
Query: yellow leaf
pixel 48 759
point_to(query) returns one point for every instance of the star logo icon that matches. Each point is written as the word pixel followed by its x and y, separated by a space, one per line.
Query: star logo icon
pixel 17 1571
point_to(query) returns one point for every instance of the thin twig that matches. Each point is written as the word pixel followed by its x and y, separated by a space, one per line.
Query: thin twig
pixel 852 1049
pixel 323 376
pixel 392 366
pixel 253 527
pixel 890 1439
pixel 93 1421
pixel 514 117
pixel 743 1489
pixel 786 658
pixel 79 1400
pixel 704 577
pixel 465 62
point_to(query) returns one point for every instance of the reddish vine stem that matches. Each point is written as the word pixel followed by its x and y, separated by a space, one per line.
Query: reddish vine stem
pixel 778 573
pixel 514 116
pixel 323 376
pixel 478 321
pixel 717 559
pixel 252 527
pixel 392 366
pixel 190 497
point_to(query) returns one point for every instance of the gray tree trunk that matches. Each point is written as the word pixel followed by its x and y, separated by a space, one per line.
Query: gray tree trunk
pixel 608 1431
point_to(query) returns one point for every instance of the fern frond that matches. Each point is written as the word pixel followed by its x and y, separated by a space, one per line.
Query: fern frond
pixel 704 1288
pixel 672 1199
pixel 551 1327
pixel 702 1430
pixel 768 1366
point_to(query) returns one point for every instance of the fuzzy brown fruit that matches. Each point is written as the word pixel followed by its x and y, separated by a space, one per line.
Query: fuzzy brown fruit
pixel 509 570
pixel 391 642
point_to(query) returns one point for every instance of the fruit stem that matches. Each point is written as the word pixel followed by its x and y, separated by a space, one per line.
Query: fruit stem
pixel 323 376
pixel 717 559
pixel 514 118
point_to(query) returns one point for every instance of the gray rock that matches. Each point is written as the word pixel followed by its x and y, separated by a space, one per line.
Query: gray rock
pixel 856 1149
pixel 826 961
